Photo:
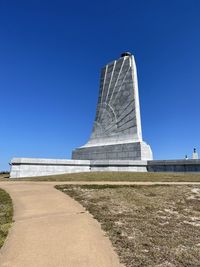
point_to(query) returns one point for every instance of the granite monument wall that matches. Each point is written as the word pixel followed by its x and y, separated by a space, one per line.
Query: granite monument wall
pixel 117 132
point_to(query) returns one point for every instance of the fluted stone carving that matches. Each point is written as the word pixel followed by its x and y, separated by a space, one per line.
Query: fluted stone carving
pixel 118 115
pixel 117 130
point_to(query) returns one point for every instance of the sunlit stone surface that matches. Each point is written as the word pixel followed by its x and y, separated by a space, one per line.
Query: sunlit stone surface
pixel 117 133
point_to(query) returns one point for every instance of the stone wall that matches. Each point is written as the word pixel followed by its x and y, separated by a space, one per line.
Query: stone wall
pixel 27 167
pixel 173 165
pixel 30 167
pixel 126 151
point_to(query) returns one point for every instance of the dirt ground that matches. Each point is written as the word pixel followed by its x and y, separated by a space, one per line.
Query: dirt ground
pixel 157 226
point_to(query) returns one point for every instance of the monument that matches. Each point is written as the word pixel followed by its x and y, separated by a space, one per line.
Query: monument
pixel 117 133
pixel 116 142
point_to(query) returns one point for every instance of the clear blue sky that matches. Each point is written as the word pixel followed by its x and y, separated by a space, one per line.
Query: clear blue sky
pixel 51 53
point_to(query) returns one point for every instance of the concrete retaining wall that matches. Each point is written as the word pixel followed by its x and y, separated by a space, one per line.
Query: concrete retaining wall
pixel 119 165
pixel 29 167
pixel 174 165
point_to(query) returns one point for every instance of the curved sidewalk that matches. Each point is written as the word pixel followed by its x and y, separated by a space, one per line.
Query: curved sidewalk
pixel 52 230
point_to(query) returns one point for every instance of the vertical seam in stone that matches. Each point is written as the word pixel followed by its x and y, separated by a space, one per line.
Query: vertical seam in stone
pixel 136 98
pixel 121 84
pixel 109 87
pixel 117 80
pixel 104 84
pixel 110 80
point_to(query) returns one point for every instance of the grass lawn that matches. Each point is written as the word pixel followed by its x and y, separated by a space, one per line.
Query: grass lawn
pixel 6 213
pixel 117 177
pixel 157 226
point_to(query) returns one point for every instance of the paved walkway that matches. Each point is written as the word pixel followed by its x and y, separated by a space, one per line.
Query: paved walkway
pixel 52 230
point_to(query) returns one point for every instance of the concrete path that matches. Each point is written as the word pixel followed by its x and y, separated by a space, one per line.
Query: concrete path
pixel 52 230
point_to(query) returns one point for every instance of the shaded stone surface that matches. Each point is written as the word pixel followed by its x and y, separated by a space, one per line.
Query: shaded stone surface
pixel 192 165
pixel 135 150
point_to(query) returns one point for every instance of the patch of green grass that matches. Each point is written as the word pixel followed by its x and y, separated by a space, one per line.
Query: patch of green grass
pixel 148 225
pixel 6 214
pixel 118 177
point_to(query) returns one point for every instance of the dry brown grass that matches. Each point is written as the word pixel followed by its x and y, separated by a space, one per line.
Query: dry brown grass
pixel 6 213
pixel 4 177
pixel 118 177
pixel 156 226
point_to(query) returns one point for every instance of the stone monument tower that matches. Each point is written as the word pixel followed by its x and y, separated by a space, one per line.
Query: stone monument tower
pixel 117 133
pixel 116 141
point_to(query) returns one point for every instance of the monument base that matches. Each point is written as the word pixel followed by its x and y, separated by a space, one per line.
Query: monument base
pixel 30 167
pixel 125 151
